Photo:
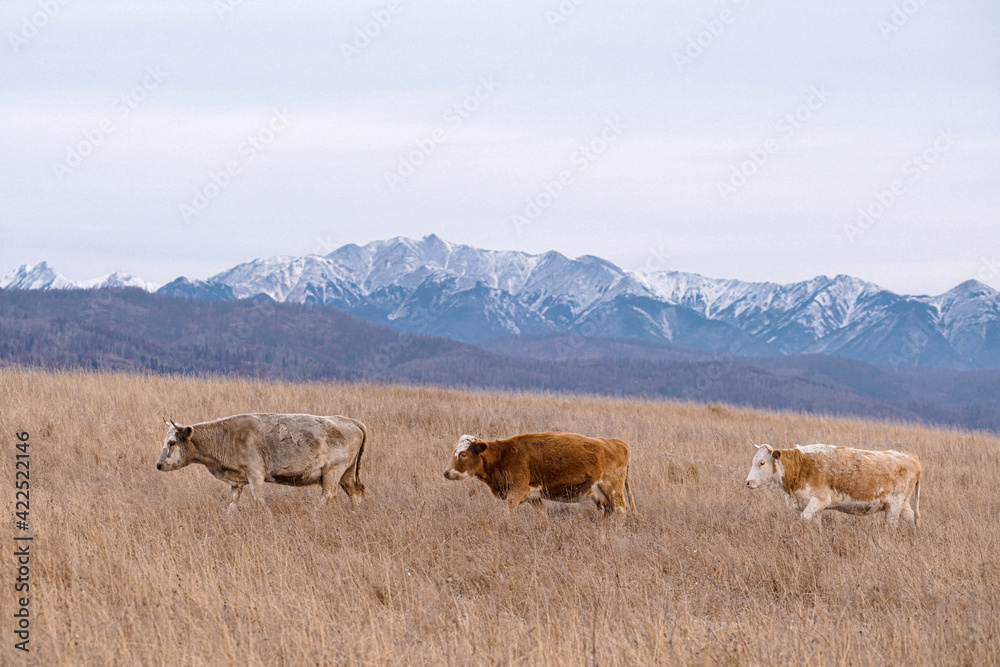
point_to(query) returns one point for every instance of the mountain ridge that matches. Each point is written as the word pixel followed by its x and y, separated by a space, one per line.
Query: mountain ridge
pixel 473 295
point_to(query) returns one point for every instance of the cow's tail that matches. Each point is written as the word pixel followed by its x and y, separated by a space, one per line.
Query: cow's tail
pixel 916 502
pixel 357 461
pixel 628 494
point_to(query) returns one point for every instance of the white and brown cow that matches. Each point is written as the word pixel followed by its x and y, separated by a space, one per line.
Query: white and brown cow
pixel 854 481
pixel 292 449
pixel 564 467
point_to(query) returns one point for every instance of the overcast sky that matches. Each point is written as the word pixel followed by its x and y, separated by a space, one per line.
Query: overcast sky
pixel 757 140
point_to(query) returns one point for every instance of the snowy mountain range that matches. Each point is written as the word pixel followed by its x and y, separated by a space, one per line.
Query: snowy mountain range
pixel 42 276
pixel 432 287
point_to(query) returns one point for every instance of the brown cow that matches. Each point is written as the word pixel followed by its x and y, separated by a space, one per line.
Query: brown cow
pixel 564 467
pixel 292 449
pixel 854 481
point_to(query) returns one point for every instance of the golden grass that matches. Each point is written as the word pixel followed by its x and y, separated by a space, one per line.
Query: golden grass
pixel 135 566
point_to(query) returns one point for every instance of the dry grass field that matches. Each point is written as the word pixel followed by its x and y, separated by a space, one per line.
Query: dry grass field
pixel 135 566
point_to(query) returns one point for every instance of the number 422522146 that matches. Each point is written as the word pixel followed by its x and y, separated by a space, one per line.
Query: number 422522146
pixel 21 476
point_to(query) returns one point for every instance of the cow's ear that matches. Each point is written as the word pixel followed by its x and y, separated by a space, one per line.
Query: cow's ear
pixel 185 432
pixel 776 454
pixel 478 447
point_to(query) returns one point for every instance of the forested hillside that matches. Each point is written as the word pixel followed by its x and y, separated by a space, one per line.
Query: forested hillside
pixel 129 329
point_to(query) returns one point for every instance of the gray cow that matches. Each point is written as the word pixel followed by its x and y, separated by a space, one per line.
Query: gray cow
pixel 298 450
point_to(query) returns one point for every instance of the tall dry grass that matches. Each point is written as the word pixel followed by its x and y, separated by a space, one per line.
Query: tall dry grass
pixel 135 566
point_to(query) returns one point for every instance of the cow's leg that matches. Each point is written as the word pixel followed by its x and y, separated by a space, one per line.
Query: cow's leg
pixel 329 484
pixel 813 509
pixel 907 514
pixel 893 509
pixel 539 507
pixel 234 494
pixel 354 490
pixel 601 496
pixel 255 479
pixel 516 496
pixel 615 493
pixel 792 502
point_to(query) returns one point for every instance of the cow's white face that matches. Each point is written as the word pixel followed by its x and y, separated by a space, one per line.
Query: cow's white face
pixel 466 461
pixel 177 449
pixel 765 470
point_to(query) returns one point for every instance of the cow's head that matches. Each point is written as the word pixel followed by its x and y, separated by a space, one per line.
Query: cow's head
pixel 766 469
pixel 466 461
pixel 178 450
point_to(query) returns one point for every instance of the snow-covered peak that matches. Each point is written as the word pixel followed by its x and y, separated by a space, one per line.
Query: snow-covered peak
pixel 281 278
pixel 971 302
pixel 817 306
pixel 39 276
pixel 592 259
pixel 970 289
pixel 118 279
pixel 684 289
pixel 407 262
